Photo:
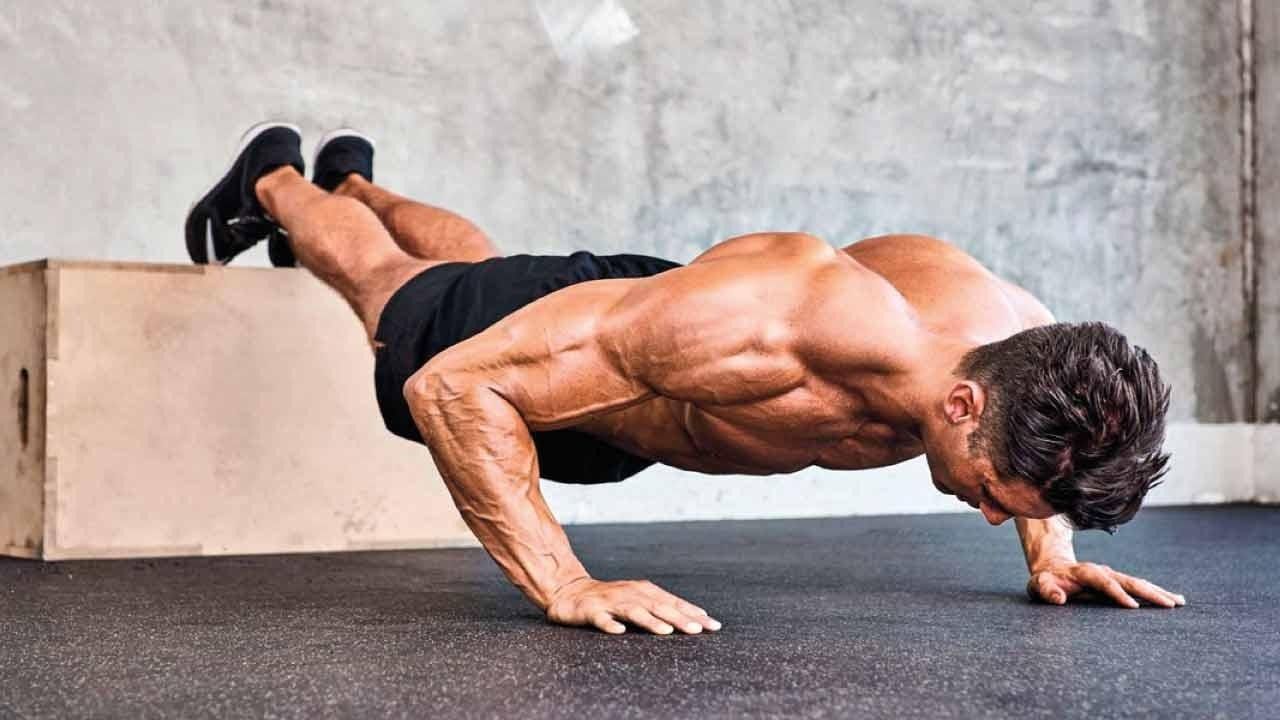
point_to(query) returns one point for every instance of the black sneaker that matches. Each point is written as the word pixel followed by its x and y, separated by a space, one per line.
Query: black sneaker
pixel 278 249
pixel 229 219
pixel 340 153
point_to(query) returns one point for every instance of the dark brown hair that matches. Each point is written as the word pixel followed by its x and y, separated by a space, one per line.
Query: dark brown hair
pixel 1078 412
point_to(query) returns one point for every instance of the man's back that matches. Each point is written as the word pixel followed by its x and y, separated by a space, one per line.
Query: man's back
pixel 948 288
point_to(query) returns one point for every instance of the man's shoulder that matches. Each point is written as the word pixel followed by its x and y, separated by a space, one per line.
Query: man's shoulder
pixel 946 284
pixel 1030 309
pixel 767 245
pixel 910 245
pixel 852 316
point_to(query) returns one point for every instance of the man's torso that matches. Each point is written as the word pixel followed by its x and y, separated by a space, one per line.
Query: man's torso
pixel 824 418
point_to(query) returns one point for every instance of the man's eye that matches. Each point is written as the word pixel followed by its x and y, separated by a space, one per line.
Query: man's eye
pixel 986 497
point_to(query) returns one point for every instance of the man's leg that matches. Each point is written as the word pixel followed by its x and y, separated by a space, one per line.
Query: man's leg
pixel 340 240
pixel 423 231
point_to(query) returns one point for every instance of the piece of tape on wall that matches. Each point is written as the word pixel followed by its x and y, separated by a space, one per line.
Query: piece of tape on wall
pixel 579 27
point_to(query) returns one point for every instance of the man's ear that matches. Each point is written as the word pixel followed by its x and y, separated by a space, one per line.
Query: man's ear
pixel 965 402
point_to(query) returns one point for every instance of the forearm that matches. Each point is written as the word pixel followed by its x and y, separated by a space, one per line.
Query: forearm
pixel 1045 542
pixel 485 453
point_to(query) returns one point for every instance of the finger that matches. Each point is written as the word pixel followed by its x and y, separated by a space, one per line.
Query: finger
pixel 1144 590
pixel 688 608
pixel 682 622
pixel 1109 585
pixel 640 617
pixel 699 615
pixel 1148 591
pixel 1141 589
pixel 1048 590
pixel 605 622
pixel 1177 598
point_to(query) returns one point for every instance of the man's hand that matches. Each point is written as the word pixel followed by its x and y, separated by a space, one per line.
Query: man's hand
pixel 1056 582
pixel 603 604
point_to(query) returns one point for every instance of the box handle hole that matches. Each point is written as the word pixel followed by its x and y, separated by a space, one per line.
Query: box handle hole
pixel 24 406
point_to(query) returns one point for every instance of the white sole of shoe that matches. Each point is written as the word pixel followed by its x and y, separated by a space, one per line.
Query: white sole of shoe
pixel 334 135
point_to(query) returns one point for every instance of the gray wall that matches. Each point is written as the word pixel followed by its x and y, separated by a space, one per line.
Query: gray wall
pixel 1089 151
pixel 1267 239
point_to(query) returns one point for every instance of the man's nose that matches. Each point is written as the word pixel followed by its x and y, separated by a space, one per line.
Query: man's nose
pixel 993 516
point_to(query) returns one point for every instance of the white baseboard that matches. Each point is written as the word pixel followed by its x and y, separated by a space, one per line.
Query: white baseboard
pixel 1211 464
pixel 1266 463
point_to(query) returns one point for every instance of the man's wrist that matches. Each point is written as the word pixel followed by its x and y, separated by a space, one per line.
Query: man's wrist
pixel 555 594
pixel 1044 561
pixel 1045 542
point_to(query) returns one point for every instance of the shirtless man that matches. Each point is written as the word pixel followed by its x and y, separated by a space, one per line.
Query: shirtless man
pixel 766 354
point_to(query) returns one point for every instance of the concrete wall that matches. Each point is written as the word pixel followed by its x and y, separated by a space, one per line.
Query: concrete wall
pixel 1266 254
pixel 1087 150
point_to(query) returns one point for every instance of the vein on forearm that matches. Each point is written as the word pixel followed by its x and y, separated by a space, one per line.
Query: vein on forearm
pixel 485 453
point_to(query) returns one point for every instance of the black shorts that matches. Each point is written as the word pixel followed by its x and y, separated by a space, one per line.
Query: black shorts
pixel 449 303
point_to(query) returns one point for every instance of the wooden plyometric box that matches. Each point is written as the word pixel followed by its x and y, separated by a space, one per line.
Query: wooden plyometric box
pixel 152 410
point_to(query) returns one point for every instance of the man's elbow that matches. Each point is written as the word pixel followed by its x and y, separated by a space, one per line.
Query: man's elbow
pixel 429 385
pixel 437 389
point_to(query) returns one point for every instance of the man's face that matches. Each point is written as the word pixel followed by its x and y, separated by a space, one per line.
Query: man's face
pixel 972 479
pixel 961 470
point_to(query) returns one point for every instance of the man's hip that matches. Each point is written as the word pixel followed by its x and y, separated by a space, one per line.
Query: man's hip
pixel 449 303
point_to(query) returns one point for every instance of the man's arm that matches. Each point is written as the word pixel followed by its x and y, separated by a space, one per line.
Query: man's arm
pixel 1045 542
pixel 474 405
pixel 1055 575
pixel 591 348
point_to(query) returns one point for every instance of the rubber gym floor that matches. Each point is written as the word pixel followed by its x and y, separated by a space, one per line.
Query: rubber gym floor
pixel 894 616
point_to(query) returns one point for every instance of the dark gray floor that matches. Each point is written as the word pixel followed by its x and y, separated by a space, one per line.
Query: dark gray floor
pixel 918 616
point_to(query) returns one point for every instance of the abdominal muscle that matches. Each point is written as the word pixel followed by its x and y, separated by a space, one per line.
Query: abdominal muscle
pixel 685 436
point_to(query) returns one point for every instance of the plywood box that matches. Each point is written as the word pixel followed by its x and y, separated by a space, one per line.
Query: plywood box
pixel 153 410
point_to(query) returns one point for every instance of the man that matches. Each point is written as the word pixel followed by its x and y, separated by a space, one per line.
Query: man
pixel 766 354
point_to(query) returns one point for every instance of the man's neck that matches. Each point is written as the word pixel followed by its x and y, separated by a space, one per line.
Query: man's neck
pixel 913 399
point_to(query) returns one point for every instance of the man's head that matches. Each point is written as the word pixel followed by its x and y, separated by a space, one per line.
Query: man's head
pixel 1061 419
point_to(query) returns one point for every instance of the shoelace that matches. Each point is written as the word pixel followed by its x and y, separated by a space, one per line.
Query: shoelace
pixel 248 230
